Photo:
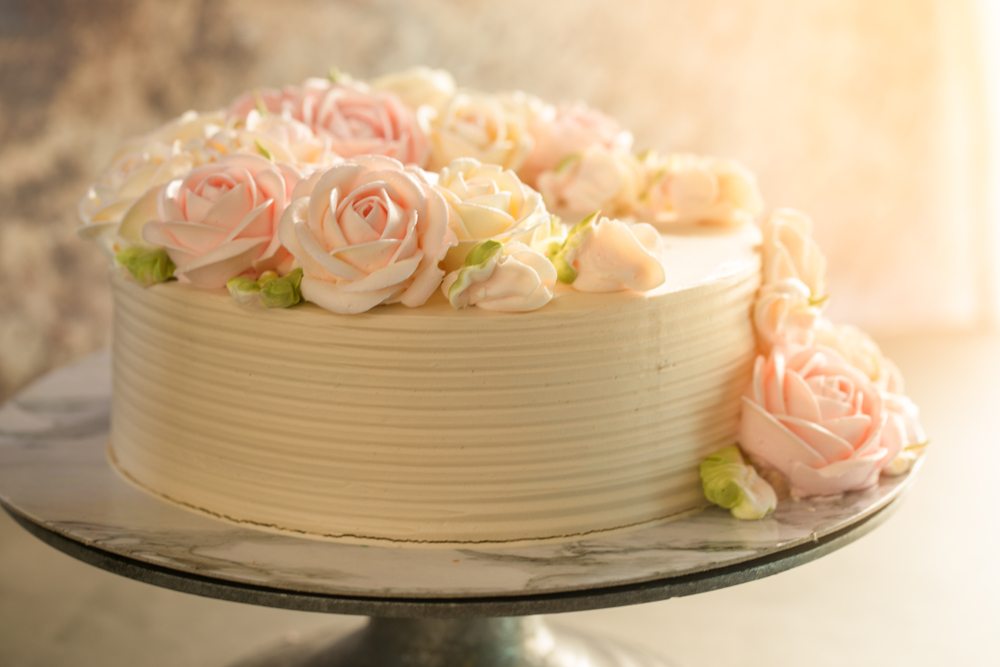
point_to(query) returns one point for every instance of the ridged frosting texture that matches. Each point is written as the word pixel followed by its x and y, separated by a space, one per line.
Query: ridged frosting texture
pixel 436 425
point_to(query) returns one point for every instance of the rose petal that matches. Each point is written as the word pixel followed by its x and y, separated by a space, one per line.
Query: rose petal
pixel 799 398
pixel 315 252
pixel 390 276
pixel 189 236
pixel 227 210
pixel 831 408
pixel 831 447
pixel 850 475
pixel 763 436
pixel 331 297
pixel 368 257
pixel 214 268
pixel 852 430
pixel 483 222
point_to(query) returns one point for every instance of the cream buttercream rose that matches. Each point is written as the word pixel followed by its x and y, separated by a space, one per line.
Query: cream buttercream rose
pixel 367 232
pixel 818 420
pixel 479 126
pixel 419 86
pixel 785 313
pixel 140 165
pixel 790 251
pixel 684 188
pixel 486 202
pixel 221 219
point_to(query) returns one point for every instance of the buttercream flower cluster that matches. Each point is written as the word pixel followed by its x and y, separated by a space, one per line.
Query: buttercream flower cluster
pixel 825 412
pixel 380 191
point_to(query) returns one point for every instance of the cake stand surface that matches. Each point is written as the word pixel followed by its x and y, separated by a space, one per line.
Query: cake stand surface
pixel 430 606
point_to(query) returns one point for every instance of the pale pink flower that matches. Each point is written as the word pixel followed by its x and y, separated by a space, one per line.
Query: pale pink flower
pixel 559 132
pixel 221 219
pixel 367 232
pixel 354 118
pixel 818 420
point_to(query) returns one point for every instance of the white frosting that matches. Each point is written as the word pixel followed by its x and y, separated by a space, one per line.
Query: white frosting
pixel 434 425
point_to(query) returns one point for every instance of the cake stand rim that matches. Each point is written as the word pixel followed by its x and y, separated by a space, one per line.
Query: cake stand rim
pixel 598 597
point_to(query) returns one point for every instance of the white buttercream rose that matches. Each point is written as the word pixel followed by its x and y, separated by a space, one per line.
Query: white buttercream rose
pixel 596 179
pixel 510 278
pixel 685 188
pixel 419 86
pixel 367 232
pixel 559 132
pixel 818 420
pixel 609 256
pixel 790 252
pixel 479 126
pixel 489 202
pixel 221 220
pixel 138 167
pixel 784 313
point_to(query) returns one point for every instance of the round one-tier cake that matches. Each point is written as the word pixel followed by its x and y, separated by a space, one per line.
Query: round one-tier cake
pixel 433 425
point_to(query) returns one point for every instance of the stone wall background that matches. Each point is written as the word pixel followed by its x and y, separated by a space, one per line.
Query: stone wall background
pixel 870 116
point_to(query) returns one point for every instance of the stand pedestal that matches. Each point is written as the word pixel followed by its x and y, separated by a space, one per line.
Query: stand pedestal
pixel 481 642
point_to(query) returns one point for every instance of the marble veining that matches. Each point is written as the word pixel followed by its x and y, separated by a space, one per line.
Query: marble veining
pixel 53 471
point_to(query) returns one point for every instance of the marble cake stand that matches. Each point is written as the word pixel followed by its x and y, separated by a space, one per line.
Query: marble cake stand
pixel 466 606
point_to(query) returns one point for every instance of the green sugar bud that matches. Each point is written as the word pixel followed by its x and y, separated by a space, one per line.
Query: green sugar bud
pixel 562 254
pixel 479 266
pixel 268 291
pixel 147 266
pixel 730 483
pixel 245 290
pixel 483 252
pixel 281 292
pixel 263 150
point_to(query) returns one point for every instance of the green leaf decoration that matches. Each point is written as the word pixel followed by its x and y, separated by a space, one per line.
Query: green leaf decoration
pixel 566 162
pixel 268 291
pixel 334 74
pixel 731 483
pixel 282 292
pixel 819 301
pixel 147 266
pixel 483 252
pixel 262 150
pixel 259 101
pixel 479 265
pixel 562 254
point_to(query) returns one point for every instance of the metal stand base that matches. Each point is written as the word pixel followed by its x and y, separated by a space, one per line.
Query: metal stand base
pixel 473 642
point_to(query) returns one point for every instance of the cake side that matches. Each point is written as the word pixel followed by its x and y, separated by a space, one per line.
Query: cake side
pixel 436 425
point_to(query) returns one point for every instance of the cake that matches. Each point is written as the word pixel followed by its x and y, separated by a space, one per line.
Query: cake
pixel 381 331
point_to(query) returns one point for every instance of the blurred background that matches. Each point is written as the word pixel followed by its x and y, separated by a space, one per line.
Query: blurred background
pixel 868 115
pixel 874 117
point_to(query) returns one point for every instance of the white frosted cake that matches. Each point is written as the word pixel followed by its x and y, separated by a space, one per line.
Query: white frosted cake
pixel 433 424
pixel 381 313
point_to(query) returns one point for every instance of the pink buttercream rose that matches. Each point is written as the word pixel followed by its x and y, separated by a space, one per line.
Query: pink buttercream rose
pixel 368 232
pixel 221 219
pixel 567 129
pixel 356 119
pixel 817 420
